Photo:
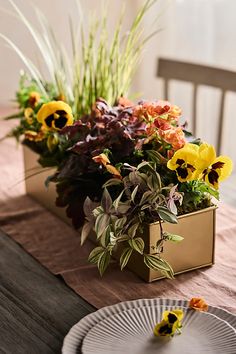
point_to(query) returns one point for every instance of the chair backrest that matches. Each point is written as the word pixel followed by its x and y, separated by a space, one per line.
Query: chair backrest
pixel 199 75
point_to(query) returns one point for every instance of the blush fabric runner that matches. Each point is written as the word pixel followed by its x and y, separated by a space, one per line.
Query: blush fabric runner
pixel 57 246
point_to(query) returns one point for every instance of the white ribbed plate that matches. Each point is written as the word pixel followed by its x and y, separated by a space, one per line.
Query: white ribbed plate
pixel 131 332
pixel 73 340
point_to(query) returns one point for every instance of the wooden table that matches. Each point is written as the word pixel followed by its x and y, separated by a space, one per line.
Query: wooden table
pixel 37 309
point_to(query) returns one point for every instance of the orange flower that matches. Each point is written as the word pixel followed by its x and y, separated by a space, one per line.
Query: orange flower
pixel 103 160
pixel 173 136
pixel 198 304
pixel 34 99
pixel 111 169
pixel 150 111
pixel 124 102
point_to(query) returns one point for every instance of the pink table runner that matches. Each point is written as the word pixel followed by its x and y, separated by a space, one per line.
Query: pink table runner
pixel 57 247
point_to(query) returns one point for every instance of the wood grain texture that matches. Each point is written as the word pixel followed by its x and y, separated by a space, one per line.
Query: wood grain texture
pixel 37 309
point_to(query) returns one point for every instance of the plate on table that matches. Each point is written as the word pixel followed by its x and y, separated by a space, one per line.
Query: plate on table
pixel 74 339
pixel 131 332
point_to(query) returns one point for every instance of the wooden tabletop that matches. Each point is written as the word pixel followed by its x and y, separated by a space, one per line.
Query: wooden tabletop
pixel 37 309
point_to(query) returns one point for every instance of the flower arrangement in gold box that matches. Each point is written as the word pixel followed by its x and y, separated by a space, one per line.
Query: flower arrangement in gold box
pixel 119 164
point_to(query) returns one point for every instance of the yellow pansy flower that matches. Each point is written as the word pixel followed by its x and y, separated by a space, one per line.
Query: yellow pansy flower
pixel 171 321
pixel 52 141
pixel 184 163
pixel 55 115
pixel 213 169
pixel 29 115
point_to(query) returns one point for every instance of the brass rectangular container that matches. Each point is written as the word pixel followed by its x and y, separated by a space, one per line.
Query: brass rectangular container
pixel 35 177
pixel 198 228
pixel 197 249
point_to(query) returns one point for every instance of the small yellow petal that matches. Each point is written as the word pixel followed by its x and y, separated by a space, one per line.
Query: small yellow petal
pixel 207 155
pixel 227 168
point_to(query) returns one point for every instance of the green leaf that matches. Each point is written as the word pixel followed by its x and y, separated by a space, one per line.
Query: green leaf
pixel 125 256
pixel 105 238
pixel 169 270
pixel 137 244
pixel 154 262
pixel 101 223
pixel 166 215
pixel 145 197
pixel 117 200
pixel 156 157
pixel 119 224
pixel 103 262
pixel 207 189
pixel 172 237
pixel 133 229
pixel 112 182
pixel 97 211
pixel 154 182
pixel 123 207
pixel 95 254
pixel 134 193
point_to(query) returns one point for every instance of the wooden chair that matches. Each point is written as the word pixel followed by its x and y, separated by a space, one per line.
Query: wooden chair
pixel 199 75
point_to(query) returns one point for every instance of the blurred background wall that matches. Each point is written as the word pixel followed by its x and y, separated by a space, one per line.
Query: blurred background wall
pixel 199 31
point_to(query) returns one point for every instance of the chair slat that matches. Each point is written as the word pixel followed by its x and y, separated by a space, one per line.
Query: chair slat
pixel 221 123
pixel 166 89
pixel 194 125
pixel 198 74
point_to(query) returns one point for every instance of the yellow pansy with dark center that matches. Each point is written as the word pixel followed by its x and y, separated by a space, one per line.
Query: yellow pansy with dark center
pixel 165 329
pixel 184 163
pixel 211 173
pixel 183 168
pixel 171 322
pixel 55 115
pixel 172 317
pixel 213 169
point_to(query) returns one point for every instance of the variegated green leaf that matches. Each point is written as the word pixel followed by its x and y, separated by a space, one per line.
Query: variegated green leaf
pixel 103 262
pixel 166 215
pixel 95 254
pixel 137 244
pixel 134 193
pixel 133 229
pixel 172 237
pixel 112 182
pixel 101 223
pixel 125 256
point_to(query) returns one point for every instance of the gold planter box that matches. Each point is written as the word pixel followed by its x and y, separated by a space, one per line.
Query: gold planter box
pixel 198 228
